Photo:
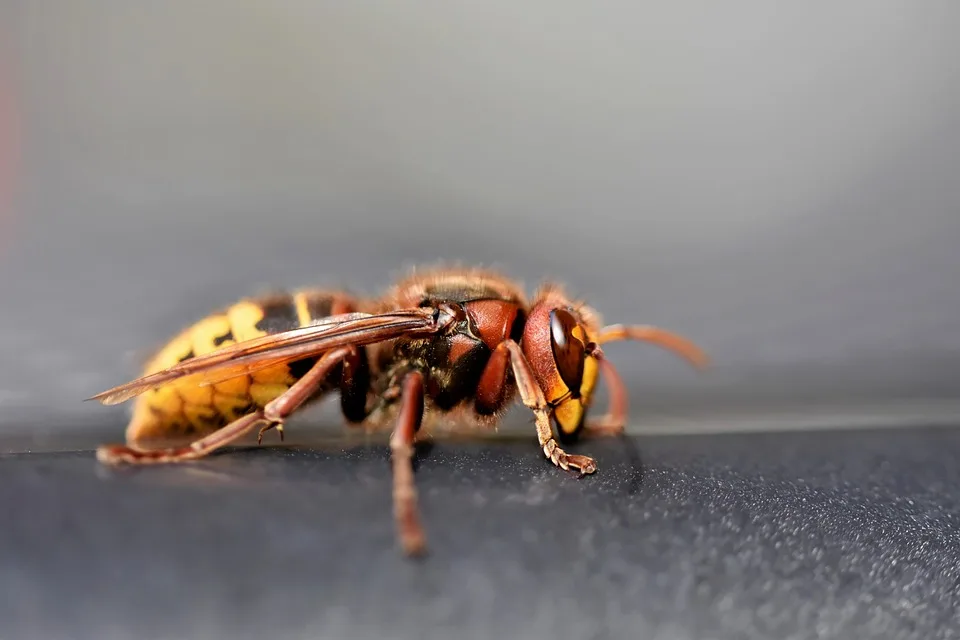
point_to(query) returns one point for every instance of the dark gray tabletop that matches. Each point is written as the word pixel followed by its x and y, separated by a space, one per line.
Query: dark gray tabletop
pixel 837 535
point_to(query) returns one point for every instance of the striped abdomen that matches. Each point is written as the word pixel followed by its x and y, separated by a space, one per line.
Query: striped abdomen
pixel 187 409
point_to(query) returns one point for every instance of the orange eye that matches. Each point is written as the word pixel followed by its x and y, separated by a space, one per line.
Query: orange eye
pixel 568 349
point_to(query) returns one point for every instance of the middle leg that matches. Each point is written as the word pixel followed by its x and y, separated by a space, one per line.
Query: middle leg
pixel 406 515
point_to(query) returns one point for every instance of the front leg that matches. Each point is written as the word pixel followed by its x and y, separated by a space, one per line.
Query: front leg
pixel 532 397
pixel 614 421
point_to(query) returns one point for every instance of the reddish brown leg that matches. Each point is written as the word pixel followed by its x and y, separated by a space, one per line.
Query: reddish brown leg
pixel 532 397
pixel 267 427
pixel 492 386
pixel 274 414
pixel 613 422
pixel 409 530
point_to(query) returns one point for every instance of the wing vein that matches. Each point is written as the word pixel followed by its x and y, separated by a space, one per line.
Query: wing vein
pixel 354 329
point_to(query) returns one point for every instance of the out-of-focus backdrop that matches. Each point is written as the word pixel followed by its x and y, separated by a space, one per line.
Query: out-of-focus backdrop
pixel 779 181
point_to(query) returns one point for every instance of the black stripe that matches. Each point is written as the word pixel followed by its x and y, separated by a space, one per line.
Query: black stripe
pixel 219 340
pixel 319 305
pixel 279 314
pixel 299 368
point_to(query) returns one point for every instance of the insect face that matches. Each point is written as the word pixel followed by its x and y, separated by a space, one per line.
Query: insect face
pixel 559 342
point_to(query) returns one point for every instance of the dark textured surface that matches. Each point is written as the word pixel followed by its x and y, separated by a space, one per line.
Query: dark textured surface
pixel 829 535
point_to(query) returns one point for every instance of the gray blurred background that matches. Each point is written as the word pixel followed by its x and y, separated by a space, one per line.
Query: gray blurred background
pixel 778 181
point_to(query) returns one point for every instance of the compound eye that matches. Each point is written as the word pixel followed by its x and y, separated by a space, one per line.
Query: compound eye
pixel 568 349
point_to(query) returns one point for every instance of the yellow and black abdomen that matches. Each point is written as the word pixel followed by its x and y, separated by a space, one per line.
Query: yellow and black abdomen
pixel 185 409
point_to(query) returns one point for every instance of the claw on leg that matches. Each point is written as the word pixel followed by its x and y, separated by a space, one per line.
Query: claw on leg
pixel 267 427
pixel 584 465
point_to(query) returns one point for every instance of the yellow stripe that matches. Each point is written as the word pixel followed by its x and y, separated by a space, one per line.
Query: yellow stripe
pixel 303 314
pixel 244 317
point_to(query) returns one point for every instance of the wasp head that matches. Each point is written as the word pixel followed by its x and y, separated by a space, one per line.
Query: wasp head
pixel 559 343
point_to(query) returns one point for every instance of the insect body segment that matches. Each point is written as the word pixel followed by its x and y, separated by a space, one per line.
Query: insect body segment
pixel 458 344
pixel 185 408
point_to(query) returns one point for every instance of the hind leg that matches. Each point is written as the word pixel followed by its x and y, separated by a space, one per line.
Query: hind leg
pixel 273 414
